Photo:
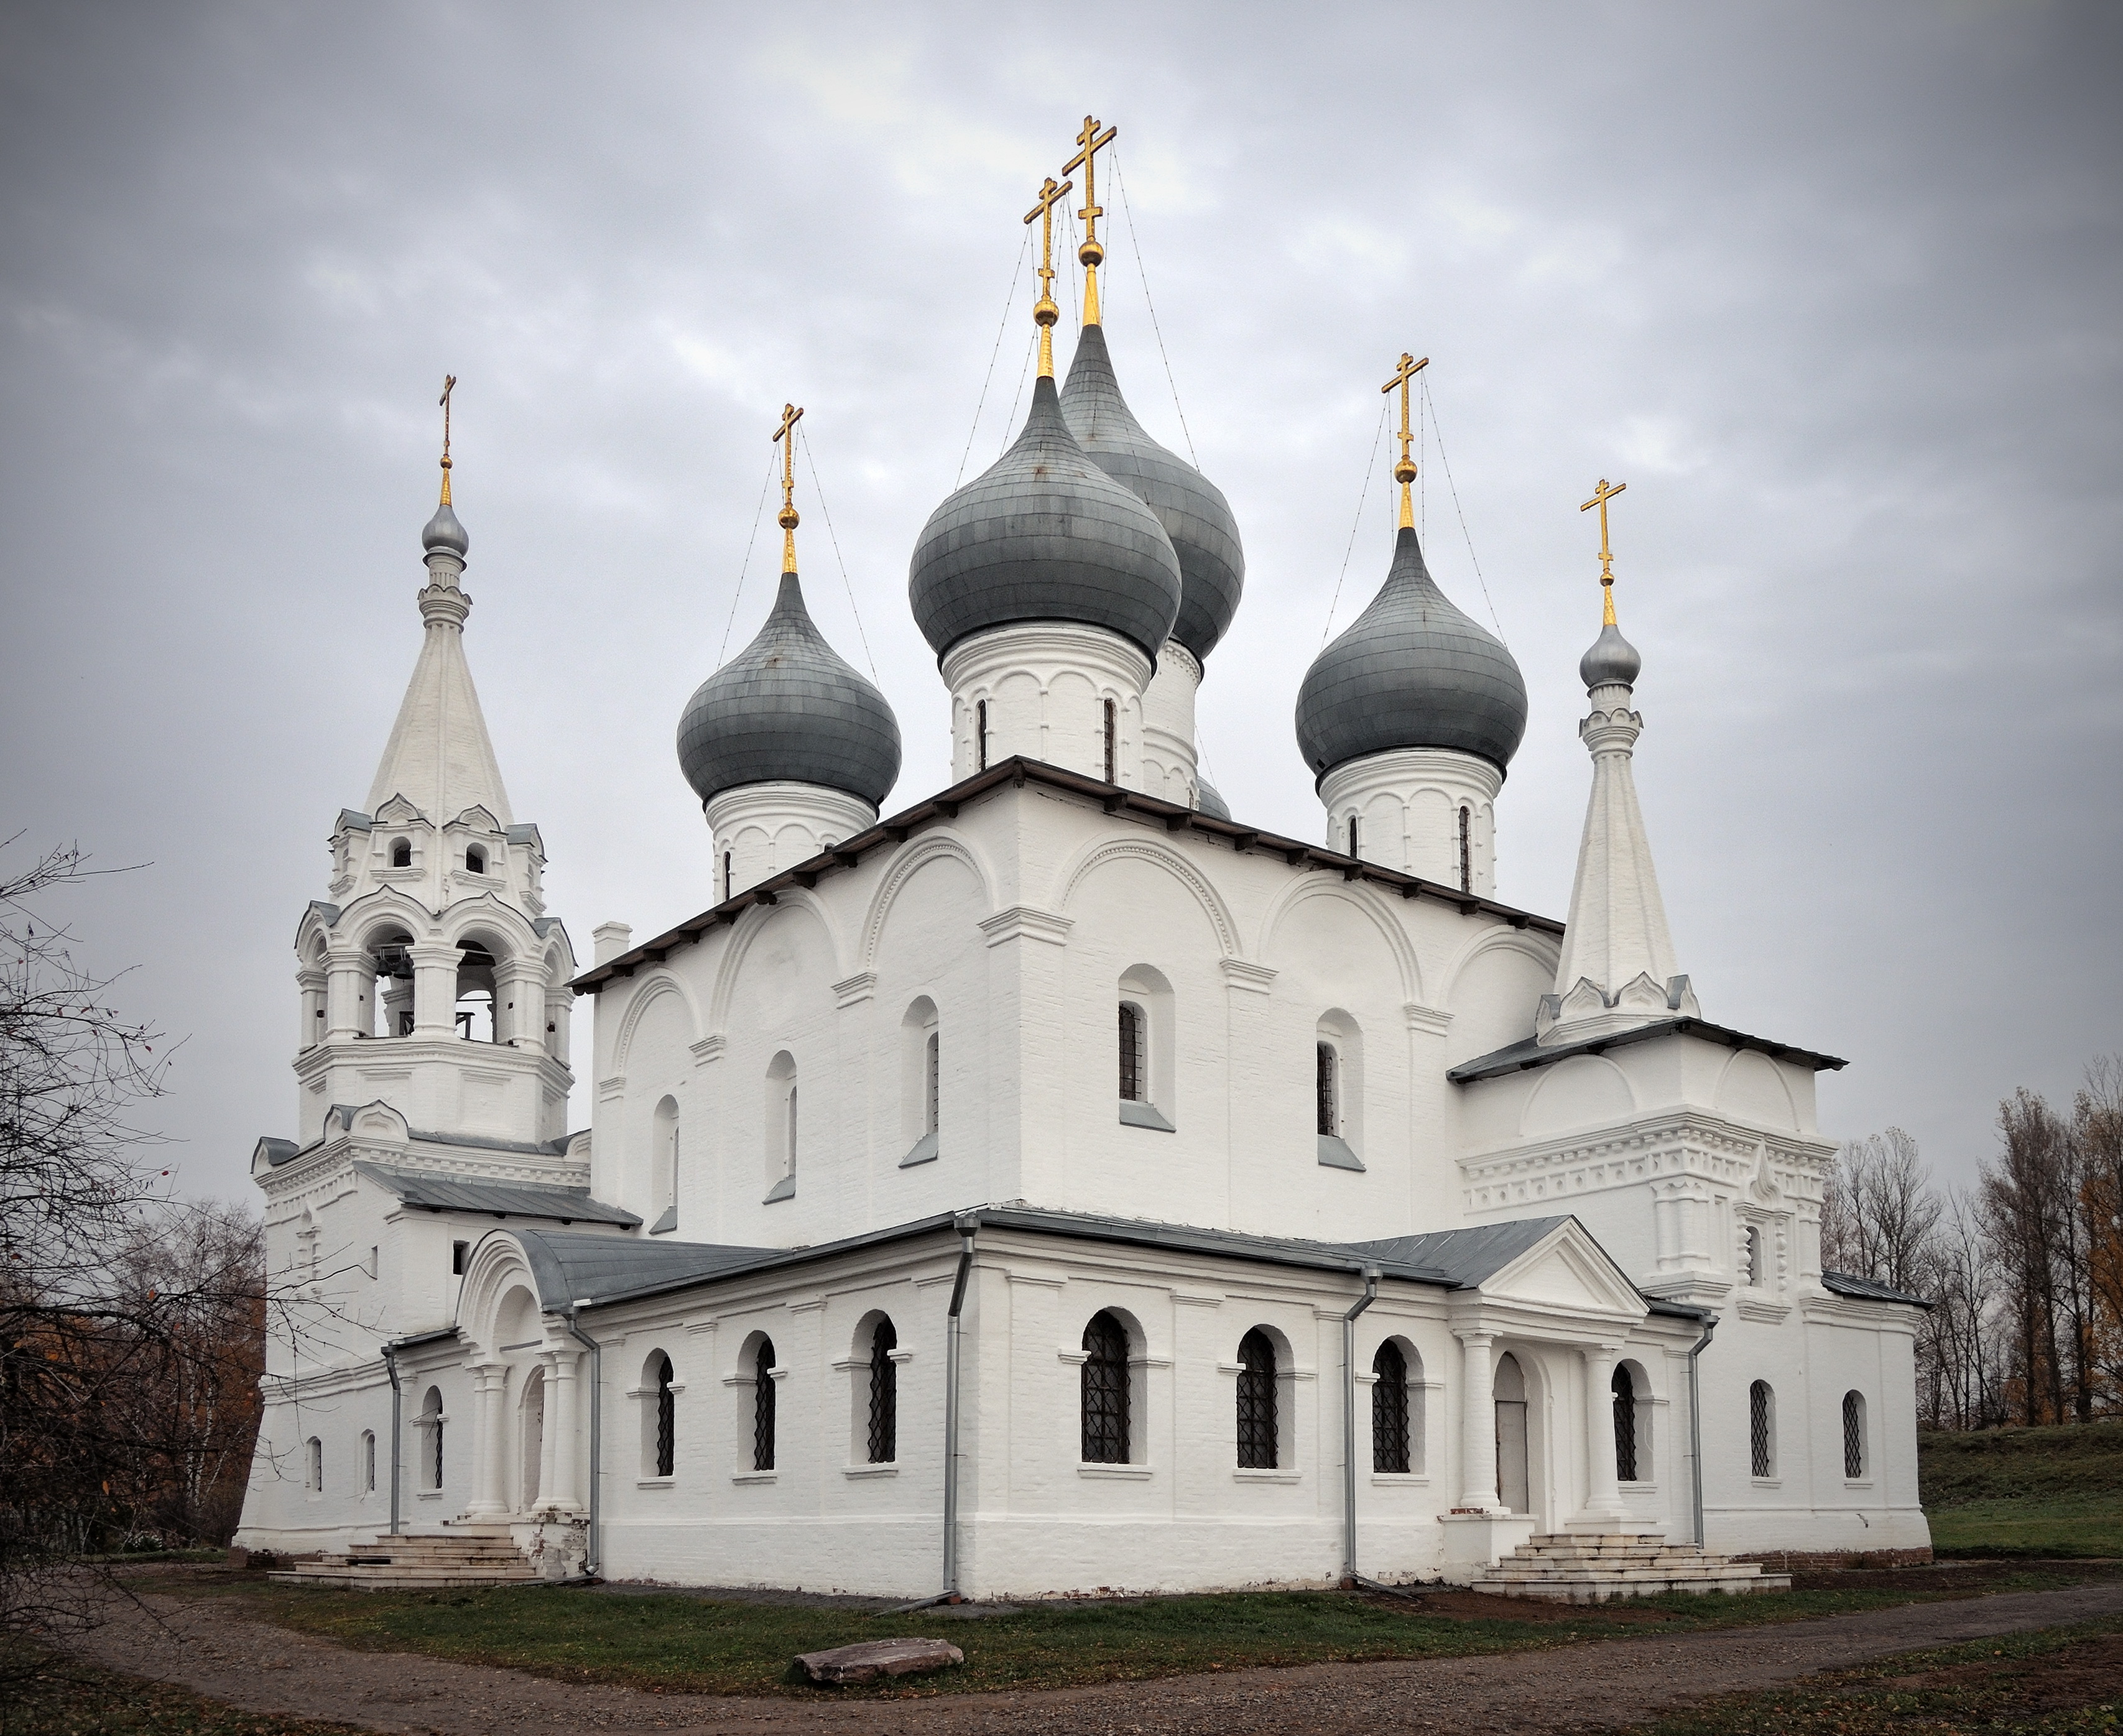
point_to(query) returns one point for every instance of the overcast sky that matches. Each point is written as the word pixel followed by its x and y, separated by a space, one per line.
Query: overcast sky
pixel 1835 289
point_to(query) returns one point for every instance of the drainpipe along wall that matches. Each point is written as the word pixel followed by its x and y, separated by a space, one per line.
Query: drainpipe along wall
pixel 397 1426
pixel 595 1559
pixel 965 1227
pixel 1349 1423
pixel 1695 1424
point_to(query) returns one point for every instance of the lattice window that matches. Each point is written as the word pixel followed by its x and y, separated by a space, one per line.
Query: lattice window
pixel 1853 1435
pixel 1257 1401
pixel 1325 1091
pixel 1131 1053
pixel 981 734
pixel 1625 1426
pixel 1112 743
pixel 667 1420
pixel 1760 1441
pixel 1104 1403
pixel 932 1092
pixel 1389 1431
pixel 763 1407
pixel 884 1395
pixel 1466 853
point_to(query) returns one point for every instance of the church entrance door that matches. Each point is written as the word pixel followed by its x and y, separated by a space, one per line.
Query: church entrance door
pixel 534 1437
pixel 1510 1389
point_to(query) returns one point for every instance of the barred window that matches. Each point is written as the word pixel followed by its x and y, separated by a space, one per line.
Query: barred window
pixel 1760 1438
pixel 667 1420
pixel 1112 743
pixel 884 1395
pixel 1390 1429
pixel 1105 1403
pixel 1625 1425
pixel 932 1092
pixel 1257 1398
pixel 1132 1070
pixel 1853 1434
pixel 1327 1091
pixel 1466 853
pixel 763 1407
pixel 981 735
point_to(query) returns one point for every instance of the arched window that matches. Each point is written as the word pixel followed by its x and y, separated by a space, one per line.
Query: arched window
pixel 667 1418
pixel 1853 1434
pixel 313 1469
pixel 475 860
pixel 762 1406
pixel 781 1147
pixel 1328 1091
pixel 884 1395
pixel 1389 1431
pixel 1466 853
pixel 1750 1257
pixel 1257 1402
pixel 431 1425
pixel 981 736
pixel 1625 1425
pixel 1112 743
pixel 368 1462
pixel 1104 1400
pixel 726 874
pixel 1135 1070
pixel 1761 1429
pixel 401 852
pixel 1352 834
pixel 663 1156
pixel 932 1091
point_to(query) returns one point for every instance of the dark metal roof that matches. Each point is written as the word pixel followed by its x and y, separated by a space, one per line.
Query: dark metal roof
pixel 789 707
pixel 1412 671
pixel 1466 1257
pixel 1198 519
pixel 501 1199
pixel 1044 534
pixel 1520 1056
pixel 1014 773
pixel 1869 1289
pixel 1207 800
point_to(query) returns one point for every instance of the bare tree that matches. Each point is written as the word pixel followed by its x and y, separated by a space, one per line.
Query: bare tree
pixel 2097 1122
pixel 1879 1214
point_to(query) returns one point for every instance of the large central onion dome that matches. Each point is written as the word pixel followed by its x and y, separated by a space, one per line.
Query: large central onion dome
pixel 788 708
pixel 1191 507
pixel 1044 534
pixel 1411 671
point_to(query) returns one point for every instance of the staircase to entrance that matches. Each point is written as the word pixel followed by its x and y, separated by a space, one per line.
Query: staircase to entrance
pixel 1592 1567
pixel 468 1555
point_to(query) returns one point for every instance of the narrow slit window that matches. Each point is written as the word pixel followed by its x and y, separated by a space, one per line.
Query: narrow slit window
pixel 1625 1426
pixel 1257 1402
pixel 1131 1053
pixel 1112 743
pixel 1352 835
pixel 932 1092
pixel 1853 1435
pixel 1327 1089
pixel 667 1420
pixel 884 1395
pixel 726 876
pixel 763 1407
pixel 1390 1429
pixel 981 736
pixel 1466 851
pixel 1761 1438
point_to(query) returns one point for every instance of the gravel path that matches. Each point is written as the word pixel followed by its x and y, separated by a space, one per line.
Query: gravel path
pixel 210 1646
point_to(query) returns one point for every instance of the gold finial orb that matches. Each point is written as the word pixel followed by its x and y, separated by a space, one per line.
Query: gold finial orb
pixel 1405 471
pixel 1045 312
pixel 788 518
pixel 1091 254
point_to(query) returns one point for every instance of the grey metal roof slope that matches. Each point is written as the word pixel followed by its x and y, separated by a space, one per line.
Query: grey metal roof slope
pixel 1519 1057
pixel 1044 534
pixel 1411 671
pixel 1465 1258
pixel 789 707
pixel 573 1268
pixel 1868 1289
pixel 1207 800
pixel 502 1198
pixel 1198 519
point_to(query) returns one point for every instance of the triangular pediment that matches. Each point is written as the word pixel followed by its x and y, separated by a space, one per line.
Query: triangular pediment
pixel 478 819
pixel 398 811
pixel 1566 1272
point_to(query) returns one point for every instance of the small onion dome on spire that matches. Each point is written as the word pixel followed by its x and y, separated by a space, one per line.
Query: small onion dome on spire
pixel 789 709
pixel 1191 507
pixel 443 534
pixel 1044 534
pixel 1612 659
pixel 1411 671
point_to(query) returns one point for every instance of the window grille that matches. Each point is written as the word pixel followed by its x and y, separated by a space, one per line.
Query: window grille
pixel 1760 1455
pixel 981 734
pixel 1389 1432
pixel 1466 853
pixel 726 875
pixel 1257 1419
pixel 667 1420
pixel 1352 835
pixel 1625 1426
pixel 1853 1435
pixel 932 1103
pixel 435 1454
pixel 1323 1078
pixel 1131 1049
pixel 763 1407
pixel 1104 1403
pixel 1112 743
pixel 884 1395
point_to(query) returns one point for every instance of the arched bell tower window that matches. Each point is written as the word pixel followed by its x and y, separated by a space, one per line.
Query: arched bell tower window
pixel 401 852
pixel 475 860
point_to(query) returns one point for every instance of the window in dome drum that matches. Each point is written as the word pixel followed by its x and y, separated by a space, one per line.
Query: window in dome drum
pixel 1111 733
pixel 1466 855
pixel 981 736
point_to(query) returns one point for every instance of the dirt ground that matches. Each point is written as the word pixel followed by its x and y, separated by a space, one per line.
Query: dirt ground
pixel 210 1646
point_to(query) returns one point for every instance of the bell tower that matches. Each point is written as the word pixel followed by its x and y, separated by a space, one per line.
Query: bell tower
pixel 433 980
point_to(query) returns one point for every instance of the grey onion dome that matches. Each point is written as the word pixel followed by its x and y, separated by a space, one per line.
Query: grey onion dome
pixel 1198 519
pixel 444 535
pixel 1411 671
pixel 1611 659
pixel 789 707
pixel 1044 534
pixel 1208 801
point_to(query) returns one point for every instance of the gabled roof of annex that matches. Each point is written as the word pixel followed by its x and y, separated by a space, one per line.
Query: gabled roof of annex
pixel 1014 773
pixel 1519 1057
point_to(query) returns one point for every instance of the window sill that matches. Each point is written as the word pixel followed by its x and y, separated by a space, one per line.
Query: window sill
pixel 1115 1473
pixel 860 1471
pixel 1135 1113
pixel 784 1189
pixel 654 1482
pixel 427 1495
pixel 1335 1154
pixel 665 1224
pixel 1637 1488
pixel 755 1477
pixel 1243 1476
pixel 1857 1482
pixel 1767 1482
pixel 1408 1479
pixel 923 1152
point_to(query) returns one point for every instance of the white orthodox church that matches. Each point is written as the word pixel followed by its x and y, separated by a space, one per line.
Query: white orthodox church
pixel 1171 1204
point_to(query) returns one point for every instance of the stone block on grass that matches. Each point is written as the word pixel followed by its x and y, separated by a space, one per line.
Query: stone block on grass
pixel 876 1658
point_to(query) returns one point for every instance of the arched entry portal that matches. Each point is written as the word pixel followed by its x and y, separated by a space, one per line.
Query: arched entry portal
pixel 533 1439
pixel 1509 1387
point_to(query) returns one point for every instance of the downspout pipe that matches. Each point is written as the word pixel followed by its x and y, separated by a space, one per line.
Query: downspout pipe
pixel 1695 1424
pixel 397 1425
pixel 967 1224
pixel 595 1558
pixel 1349 1424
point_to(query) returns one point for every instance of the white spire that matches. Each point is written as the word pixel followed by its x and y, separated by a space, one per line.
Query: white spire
pixel 1618 968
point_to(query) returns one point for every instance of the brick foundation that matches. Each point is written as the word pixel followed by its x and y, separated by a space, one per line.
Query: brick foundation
pixel 1797 1560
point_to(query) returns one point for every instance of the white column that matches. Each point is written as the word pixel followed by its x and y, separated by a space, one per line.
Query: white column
pixel 347 971
pixel 489 1439
pixel 435 989
pixel 562 1487
pixel 1602 1495
pixel 1477 1422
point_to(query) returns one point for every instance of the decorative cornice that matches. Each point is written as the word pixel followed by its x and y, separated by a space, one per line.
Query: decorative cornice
pixel 1689 1145
pixel 1246 977
pixel 857 990
pixel 1022 922
pixel 1433 1019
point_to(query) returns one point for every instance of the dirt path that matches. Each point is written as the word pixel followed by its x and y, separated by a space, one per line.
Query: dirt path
pixel 210 1646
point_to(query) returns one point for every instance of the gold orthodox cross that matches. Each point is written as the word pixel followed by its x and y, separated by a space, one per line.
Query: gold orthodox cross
pixel 785 436
pixel 449 385
pixel 1600 496
pixel 1090 142
pixel 1045 312
pixel 1405 471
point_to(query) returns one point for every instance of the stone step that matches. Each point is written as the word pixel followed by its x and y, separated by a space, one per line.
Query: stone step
pixel 400 1579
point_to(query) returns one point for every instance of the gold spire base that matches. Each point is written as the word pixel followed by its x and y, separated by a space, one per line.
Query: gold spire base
pixel 446 482
pixel 788 553
pixel 1407 508
pixel 1046 352
pixel 1607 593
pixel 1091 295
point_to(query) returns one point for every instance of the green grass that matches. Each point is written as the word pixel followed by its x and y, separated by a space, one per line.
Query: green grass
pixel 2052 1491
pixel 64 1698
pixel 2053 1682
pixel 690 1645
